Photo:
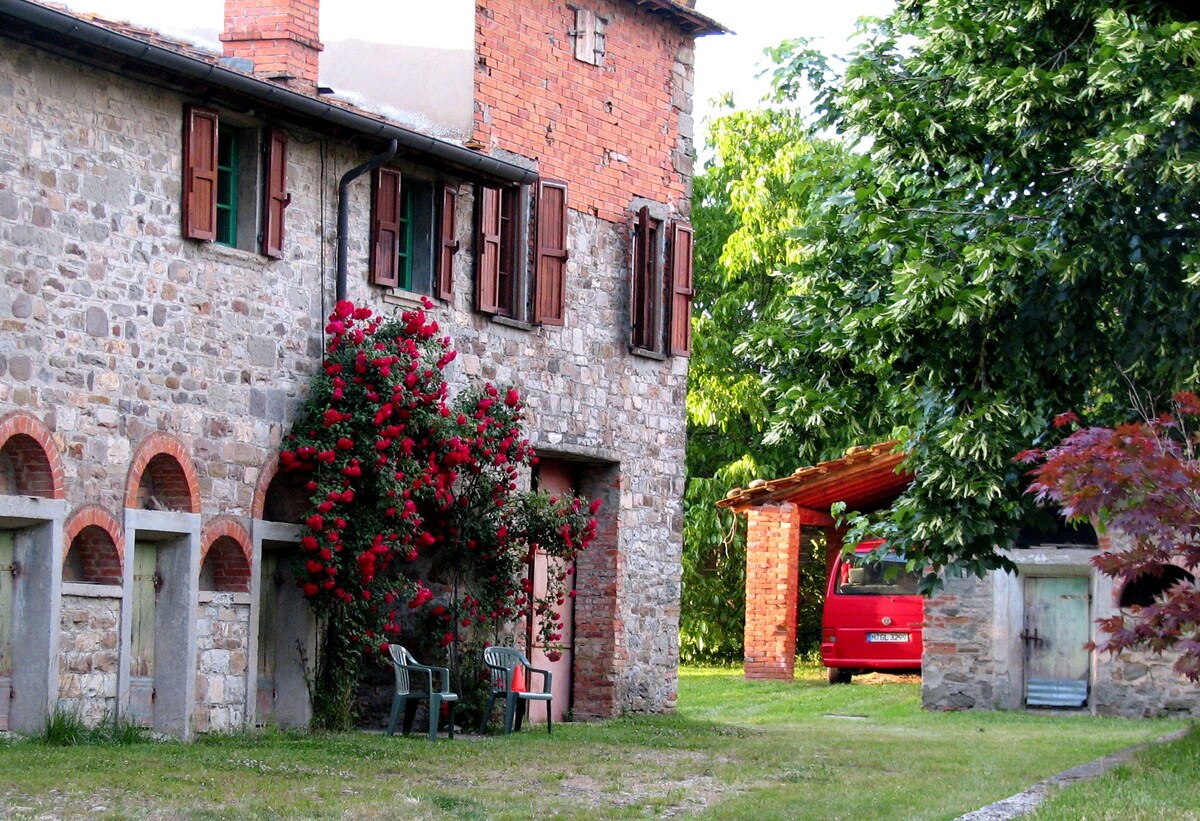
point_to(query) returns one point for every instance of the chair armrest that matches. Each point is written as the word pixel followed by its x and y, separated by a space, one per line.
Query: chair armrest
pixel 546 675
pixel 423 670
pixel 445 674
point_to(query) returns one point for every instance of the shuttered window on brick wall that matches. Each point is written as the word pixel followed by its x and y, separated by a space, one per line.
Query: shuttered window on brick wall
pixel 681 289
pixel 277 196
pixel 447 244
pixel 551 270
pixel 200 173
pixel 385 228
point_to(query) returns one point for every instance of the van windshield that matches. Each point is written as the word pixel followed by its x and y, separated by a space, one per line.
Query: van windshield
pixel 860 576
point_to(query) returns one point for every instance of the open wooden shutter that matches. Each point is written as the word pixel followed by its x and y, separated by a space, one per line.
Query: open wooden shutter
pixel 681 289
pixel 278 198
pixel 199 173
pixel 385 228
pixel 448 245
pixel 641 302
pixel 487 265
pixel 550 295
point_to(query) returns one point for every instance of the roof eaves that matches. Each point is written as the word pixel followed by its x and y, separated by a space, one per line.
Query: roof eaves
pixel 691 21
pixel 763 491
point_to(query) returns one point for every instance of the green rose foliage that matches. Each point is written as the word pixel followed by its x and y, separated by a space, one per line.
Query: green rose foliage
pixel 402 477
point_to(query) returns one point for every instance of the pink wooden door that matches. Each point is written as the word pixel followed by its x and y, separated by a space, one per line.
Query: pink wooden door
pixel 554 477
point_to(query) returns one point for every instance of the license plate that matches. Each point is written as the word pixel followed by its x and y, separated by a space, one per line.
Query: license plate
pixel 887 637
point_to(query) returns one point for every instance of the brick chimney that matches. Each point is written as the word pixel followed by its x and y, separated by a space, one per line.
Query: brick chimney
pixel 281 38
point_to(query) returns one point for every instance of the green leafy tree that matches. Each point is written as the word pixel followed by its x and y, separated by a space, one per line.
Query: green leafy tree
pixel 1013 235
pixel 750 199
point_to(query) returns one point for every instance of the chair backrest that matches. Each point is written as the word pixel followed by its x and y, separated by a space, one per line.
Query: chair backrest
pixel 506 658
pixel 400 657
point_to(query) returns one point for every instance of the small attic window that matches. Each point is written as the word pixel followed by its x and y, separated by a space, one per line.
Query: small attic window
pixel 589 37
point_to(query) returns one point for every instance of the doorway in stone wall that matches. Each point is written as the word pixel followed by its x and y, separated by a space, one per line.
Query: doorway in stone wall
pixel 1056 628
pixel 556 477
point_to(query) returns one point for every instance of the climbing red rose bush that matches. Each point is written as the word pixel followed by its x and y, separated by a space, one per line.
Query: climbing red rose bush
pixel 415 514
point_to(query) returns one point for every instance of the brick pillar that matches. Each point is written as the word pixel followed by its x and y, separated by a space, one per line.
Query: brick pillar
pixel 281 37
pixel 772 584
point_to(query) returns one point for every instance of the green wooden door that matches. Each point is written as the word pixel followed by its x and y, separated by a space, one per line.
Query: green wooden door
pixel 6 604
pixel 6 624
pixel 1056 630
pixel 268 641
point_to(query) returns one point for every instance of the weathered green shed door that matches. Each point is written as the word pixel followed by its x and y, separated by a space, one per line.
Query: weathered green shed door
pixel 141 661
pixel 1056 630
pixel 267 639
pixel 6 624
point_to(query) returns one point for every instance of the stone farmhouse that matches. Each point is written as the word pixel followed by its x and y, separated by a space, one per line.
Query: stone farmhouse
pixel 176 224
pixel 1003 642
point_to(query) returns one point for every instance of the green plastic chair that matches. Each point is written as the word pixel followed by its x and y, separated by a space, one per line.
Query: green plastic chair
pixel 501 664
pixel 406 699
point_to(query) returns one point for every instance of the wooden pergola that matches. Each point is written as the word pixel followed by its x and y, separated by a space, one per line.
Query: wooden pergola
pixel 865 479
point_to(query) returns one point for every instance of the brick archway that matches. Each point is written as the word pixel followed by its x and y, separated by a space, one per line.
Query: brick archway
pixel 280 495
pixel 165 462
pixel 225 543
pixel 30 464
pixel 97 533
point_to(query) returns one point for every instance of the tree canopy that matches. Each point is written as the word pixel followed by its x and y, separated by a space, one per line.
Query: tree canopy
pixel 1013 235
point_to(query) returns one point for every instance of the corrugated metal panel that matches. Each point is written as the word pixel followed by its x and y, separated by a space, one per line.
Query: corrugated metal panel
pixel 1056 692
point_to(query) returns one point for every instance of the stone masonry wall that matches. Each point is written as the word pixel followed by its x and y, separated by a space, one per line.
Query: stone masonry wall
pixel 1141 685
pixel 222 640
pixel 958 664
pixel 88 652
pixel 616 130
pixel 117 327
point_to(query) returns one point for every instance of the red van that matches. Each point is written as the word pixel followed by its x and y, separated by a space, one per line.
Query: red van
pixel 872 618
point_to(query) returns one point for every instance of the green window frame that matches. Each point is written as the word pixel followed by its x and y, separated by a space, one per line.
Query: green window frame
pixel 227 186
pixel 404 253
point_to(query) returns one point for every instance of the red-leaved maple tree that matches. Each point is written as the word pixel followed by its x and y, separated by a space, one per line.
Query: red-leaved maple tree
pixel 1140 482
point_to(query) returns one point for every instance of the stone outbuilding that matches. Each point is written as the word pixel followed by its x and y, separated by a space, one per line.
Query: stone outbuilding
pixel 1002 642
pixel 176 224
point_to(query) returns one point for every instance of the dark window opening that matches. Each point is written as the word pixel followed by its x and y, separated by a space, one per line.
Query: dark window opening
pixel 1148 587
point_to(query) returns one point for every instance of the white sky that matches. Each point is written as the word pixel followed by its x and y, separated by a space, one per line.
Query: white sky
pixel 723 63
pixel 730 62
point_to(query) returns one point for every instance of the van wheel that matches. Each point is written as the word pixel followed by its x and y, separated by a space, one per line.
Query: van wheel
pixel 839 675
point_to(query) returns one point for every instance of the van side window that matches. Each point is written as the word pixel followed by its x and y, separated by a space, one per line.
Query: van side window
pixel 861 576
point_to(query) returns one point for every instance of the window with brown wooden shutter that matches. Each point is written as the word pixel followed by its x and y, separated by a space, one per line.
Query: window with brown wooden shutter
pixel 681 289
pixel 647 287
pixel 277 196
pixel 551 271
pixel 448 245
pixel 200 173
pixel 385 228
pixel 487 264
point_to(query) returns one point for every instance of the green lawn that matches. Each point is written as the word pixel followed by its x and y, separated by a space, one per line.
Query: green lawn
pixel 735 749
pixel 1159 783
